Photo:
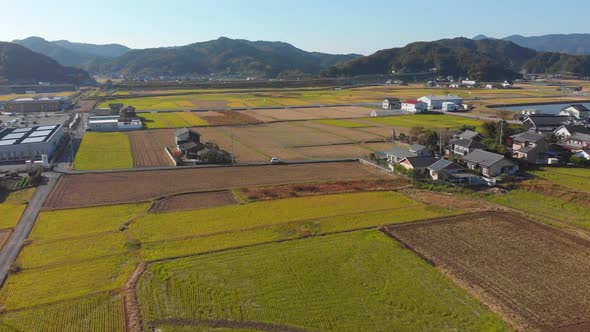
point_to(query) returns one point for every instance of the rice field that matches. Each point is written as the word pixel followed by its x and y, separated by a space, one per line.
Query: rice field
pixel 428 121
pixel 101 312
pixel 13 207
pixel 174 234
pixel 41 286
pixel 573 178
pixel 104 151
pixel 361 281
pixel 171 120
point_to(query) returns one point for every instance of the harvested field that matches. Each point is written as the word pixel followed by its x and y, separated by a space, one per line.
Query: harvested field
pixel 309 113
pixel 297 190
pixel 194 201
pixel 534 274
pixel 4 235
pixel 84 190
pixel 85 105
pixel 227 118
pixel 148 147
pixel 333 151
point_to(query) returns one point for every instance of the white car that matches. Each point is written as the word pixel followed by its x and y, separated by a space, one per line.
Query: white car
pixel 275 160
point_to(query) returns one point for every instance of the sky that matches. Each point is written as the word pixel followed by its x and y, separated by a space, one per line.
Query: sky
pixel 344 26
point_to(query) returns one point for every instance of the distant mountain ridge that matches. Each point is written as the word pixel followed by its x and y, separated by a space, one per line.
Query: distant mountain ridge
pixel 18 64
pixel 223 56
pixel 484 59
pixel 574 44
pixel 72 54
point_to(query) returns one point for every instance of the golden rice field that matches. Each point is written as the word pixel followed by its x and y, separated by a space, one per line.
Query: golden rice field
pixel 13 206
pixel 171 120
pixel 104 151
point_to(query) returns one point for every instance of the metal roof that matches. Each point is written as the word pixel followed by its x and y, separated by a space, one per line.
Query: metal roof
pixel 484 158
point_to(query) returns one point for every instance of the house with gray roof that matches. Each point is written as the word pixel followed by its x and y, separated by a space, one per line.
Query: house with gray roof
pixel 566 131
pixel 464 146
pixel 468 134
pixel 578 141
pixel 417 163
pixel 490 164
pixel 397 154
pixel 530 146
pixel 544 123
pixel 442 168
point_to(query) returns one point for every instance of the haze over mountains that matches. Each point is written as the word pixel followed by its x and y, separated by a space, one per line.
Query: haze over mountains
pixel 480 58
pixel 575 44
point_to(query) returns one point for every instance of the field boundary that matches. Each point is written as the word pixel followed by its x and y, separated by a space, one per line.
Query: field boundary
pixel 258 326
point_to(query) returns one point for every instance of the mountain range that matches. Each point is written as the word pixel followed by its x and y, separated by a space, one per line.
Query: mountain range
pixel 18 64
pixel 73 54
pixel 483 59
pixel 575 44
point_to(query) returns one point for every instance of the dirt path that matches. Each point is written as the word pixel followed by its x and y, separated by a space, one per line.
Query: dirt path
pixel 132 310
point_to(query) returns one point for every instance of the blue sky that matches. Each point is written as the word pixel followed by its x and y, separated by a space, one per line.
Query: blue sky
pixel 343 26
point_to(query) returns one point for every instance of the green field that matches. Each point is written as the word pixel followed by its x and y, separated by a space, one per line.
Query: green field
pixel 545 208
pixel 428 121
pixel 101 312
pixel 171 120
pixel 13 206
pixel 573 178
pixel 104 151
pixel 176 233
pixel 343 123
pixel 362 281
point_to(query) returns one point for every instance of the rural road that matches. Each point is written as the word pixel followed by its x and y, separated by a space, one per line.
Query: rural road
pixel 12 248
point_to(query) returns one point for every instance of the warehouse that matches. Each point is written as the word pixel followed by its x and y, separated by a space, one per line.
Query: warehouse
pixel 21 144
pixel 44 104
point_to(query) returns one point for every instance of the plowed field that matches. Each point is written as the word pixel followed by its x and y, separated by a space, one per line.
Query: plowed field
pixel 126 187
pixel 535 275
pixel 148 147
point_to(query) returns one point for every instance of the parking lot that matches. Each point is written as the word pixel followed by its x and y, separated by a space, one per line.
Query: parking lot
pixel 33 119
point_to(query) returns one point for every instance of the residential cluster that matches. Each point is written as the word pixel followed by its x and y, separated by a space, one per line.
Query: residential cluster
pixel 191 151
pixel 444 103
pixel 117 117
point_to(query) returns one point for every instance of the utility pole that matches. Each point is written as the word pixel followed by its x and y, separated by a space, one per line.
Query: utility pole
pixel 393 136
pixel 233 159
pixel 501 131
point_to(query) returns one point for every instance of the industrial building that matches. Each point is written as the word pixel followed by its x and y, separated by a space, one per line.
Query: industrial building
pixel 43 104
pixel 112 123
pixel 436 102
pixel 21 144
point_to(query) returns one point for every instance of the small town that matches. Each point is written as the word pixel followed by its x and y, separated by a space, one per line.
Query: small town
pixel 292 168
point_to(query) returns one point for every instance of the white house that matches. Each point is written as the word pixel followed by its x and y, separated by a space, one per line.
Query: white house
pixel 449 107
pixel 577 111
pixel 566 131
pixel 414 106
pixel 436 102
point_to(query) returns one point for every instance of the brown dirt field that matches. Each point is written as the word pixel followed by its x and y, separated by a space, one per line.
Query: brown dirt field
pixel 227 118
pixel 148 146
pixel 338 112
pixel 206 104
pixel 75 191
pixel 193 201
pixel 222 137
pixel 85 105
pixel 280 115
pixel 353 134
pixel 4 235
pixel 297 190
pixel 334 151
pixel 534 275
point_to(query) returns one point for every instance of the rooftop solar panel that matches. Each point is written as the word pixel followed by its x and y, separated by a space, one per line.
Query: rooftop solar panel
pixel 40 133
pixel 46 128
pixel 33 140
pixel 14 136
pixel 7 142
pixel 22 130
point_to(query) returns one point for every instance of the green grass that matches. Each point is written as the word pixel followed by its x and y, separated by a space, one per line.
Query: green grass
pixel 40 286
pixel 176 234
pixel 342 123
pixel 171 120
pixel 545 208
pixel 361 281
pixel 573 178
pixel 64 251
pixel 104 151
pixel 61 224
pixel 101 312
pixel 428 121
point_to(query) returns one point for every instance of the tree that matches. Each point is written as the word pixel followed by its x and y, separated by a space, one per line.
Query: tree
pixel 428 138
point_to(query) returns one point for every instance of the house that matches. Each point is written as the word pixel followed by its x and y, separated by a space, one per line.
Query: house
pixel 417 163
pixel 469 134
pixel 582 154
pixel 530 146
pixel 184 135
pixel 442 168
pixel 577 111
pixel 544 123
pixel 464 146
pixel 489 164
pixel 391 104
pixel 436 102
pixel 414 106
pixel 449 107
pixel 578 141
pixel 397 154
pixel 566 131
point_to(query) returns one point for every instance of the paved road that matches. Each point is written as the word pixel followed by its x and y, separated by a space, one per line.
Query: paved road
pixel 25 225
